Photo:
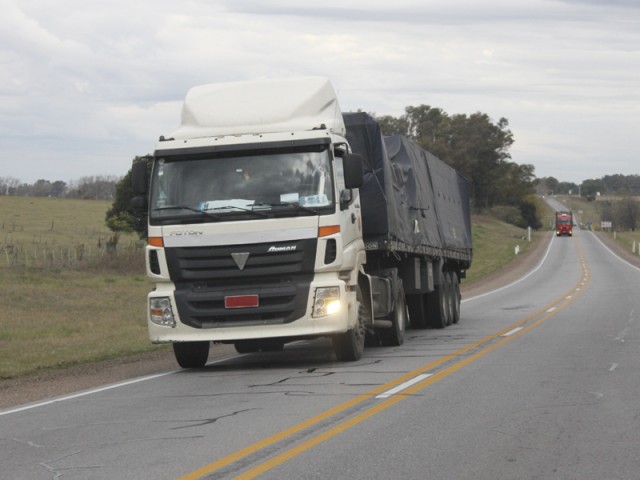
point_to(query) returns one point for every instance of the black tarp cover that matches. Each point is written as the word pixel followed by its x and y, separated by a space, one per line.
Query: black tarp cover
pixel 411 201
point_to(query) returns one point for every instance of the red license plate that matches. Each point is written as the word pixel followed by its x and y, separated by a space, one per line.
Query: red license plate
pixel 241 301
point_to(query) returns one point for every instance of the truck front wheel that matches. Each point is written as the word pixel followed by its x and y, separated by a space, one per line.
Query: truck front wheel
pixel 349 346
pixel 191 354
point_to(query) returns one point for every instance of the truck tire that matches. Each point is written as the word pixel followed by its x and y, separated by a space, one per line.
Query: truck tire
pixel 349 346
pixel 455 288
pixel 394 336
pixel 448 277
pixel 438 304
pixel 191 354
pixel 417 311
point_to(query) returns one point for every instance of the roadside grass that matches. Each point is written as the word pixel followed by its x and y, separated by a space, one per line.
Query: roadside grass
pixel 41 232
pixel 60 310
pixel 629 240
pixel 53 320
pixel 494 245
pixel 68 295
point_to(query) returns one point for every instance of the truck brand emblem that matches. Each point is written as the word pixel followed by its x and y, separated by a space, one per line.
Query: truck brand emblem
pixel 180 233
pixel 240 259
pixel 288 248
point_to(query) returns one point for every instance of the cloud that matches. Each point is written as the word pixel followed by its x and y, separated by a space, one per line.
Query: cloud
pixel 92 87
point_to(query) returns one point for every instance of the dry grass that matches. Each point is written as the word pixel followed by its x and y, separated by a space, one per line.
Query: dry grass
pixel 50 320
pixel 66 298
pixel 494 245
pixel 629 240
pixel 53 233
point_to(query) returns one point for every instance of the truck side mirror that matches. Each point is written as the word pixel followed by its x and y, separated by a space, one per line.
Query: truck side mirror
pixel 139 184
pixel 139 203
pixel 139 177
pixel 353 173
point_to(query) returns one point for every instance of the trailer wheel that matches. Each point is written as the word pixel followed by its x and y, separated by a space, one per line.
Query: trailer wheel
pixel 438 304
pixel 394 336
pixel 417 305
pixel 448 276
pixel 191 354
pixel 349 346
pixel 456 297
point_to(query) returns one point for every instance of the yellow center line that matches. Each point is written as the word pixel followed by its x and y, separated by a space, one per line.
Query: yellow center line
pixel 547 311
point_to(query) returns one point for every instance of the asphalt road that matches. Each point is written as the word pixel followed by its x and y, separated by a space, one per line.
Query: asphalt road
pixel 540 380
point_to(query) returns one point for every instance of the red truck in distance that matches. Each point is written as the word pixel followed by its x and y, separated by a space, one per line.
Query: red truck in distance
pixel 564 223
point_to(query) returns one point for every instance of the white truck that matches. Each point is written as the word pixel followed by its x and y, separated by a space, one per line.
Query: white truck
pixel 255 228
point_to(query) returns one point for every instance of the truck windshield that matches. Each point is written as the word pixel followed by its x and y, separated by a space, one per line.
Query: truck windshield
pixel 234 185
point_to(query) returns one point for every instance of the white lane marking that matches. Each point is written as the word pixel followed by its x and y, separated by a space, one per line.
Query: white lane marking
pixel 97 390
pixel 512 332
pixel 551 309
pixel 614 254
pixel 404 386
pixel 84 394
pixel 546 254
pixel 613 367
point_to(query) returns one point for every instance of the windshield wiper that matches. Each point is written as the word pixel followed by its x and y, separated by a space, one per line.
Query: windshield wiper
pixel 287 204
pixel 191 209
pixel 230 207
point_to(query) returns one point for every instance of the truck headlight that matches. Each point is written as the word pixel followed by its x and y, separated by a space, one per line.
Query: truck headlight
pixel 160 311
pixel 327 301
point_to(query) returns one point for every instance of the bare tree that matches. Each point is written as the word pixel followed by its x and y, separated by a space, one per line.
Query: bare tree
pixel 627 213
pixel 8 185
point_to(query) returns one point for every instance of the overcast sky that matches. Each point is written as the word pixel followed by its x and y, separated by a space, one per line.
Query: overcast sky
pixel 85 86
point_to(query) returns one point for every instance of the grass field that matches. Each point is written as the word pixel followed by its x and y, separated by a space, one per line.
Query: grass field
pixel 494 245
pixel 51 320
pixel 66 297
pixel 55 233
pixel 60 308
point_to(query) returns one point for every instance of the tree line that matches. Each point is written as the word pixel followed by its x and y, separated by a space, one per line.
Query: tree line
pixel 478 148
pixel 90 187
pixel 624 213
pixel 619 185
pixel 617 197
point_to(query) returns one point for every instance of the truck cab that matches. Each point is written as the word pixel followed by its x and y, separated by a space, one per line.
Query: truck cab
pixel 564 224
pixel 255 232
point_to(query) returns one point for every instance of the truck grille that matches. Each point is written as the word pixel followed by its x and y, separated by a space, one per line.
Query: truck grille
pixel 278 273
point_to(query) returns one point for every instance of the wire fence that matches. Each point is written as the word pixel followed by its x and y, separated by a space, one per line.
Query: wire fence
pixel 127 255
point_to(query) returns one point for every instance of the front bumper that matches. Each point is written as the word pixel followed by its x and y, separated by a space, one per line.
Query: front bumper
pixel 304 325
